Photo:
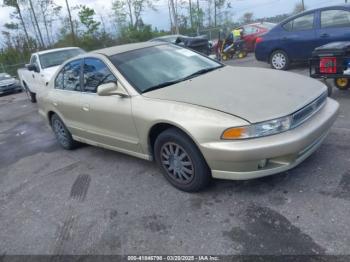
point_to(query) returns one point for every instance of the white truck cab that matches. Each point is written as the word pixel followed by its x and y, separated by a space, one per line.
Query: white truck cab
pixel 42 67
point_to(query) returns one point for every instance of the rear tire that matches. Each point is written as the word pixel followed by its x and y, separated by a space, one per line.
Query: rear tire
pixel 63 136
pixel 279 60
pixel 180 161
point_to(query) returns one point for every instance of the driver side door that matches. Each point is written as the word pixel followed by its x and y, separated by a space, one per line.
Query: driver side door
pixel 107 120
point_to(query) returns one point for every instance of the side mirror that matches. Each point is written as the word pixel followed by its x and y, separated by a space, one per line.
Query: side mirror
pixel 110 89
pixel 33 67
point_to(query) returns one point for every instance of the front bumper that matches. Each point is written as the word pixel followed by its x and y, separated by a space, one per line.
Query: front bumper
pixel 253 158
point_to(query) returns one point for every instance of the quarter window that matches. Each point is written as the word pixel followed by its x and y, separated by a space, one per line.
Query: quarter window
pixel 96 73
pixel 335 18
pixel 302 23
pixel 69 77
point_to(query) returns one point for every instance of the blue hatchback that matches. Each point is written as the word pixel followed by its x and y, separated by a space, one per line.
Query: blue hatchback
pixel 295 38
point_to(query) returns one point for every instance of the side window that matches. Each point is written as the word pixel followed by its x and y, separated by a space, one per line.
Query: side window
pixel 335 18
pixel 302 23
pixel 96 73
pixel 69 77
pixel 33 60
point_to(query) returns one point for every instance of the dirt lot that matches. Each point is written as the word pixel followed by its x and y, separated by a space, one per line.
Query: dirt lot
pixel 95 201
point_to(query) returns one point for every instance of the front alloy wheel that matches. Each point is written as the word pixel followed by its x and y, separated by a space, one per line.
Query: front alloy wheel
pixel 279 60
pixel 180 160
pixel 177 163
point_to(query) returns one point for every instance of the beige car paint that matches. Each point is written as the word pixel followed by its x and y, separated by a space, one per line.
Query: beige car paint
pixel 202 108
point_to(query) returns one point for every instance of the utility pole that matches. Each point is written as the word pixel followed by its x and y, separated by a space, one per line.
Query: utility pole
pixel 174 16
pixel 303 4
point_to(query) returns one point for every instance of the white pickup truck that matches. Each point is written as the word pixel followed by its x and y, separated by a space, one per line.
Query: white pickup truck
pixel 42 67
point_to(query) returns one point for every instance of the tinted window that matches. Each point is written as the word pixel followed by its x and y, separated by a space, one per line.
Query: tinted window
pixel 335 18
pixel 96 73
pixel 69 77
pixel 302 23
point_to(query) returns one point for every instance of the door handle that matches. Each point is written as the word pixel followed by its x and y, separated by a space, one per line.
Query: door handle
pixel 325 35
pixel 55 103
pixel 33 75
pixel 86 108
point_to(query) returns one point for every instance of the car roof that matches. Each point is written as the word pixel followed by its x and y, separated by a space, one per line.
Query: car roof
pixel 126 48
pixel 55 50
pixel 347 6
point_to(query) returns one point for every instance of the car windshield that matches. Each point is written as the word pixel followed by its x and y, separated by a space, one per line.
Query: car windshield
pixel 4 77
pixel 58 57
pixel 156 67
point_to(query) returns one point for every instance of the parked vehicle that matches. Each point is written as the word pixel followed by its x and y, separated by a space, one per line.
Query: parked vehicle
pixel 9 84
pixel 295 38
pixel 199 43
pixel 42 66
pixel 252 31
pixel 161 101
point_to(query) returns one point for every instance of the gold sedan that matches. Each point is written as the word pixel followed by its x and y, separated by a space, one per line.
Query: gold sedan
pixel 194 116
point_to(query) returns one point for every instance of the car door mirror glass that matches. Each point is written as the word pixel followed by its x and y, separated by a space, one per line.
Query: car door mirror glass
pixel 110 89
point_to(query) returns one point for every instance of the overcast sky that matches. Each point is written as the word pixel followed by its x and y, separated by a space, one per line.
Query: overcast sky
pixel 160 19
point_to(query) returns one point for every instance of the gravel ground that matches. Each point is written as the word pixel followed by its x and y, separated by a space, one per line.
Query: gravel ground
pixel 95 201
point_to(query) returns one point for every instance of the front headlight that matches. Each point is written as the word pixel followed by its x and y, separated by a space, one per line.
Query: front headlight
pixel 258 130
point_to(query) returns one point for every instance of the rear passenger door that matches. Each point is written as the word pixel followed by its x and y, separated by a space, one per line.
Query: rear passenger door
pixel 300 37
pixel 66 96
pixel 334 25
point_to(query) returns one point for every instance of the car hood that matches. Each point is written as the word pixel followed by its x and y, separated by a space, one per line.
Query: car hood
pixel 6 82
pixel 253 94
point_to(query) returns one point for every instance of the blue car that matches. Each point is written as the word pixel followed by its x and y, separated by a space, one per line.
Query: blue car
pixel 294 39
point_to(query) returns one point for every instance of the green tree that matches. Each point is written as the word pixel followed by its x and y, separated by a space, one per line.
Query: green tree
pixel 247 18
pixel 86 17
pixel 129 12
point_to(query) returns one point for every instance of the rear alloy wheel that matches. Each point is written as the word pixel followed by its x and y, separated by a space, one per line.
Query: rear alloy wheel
pixel 63 136
pixel 342 83
pixel 279 60
pixel 180 161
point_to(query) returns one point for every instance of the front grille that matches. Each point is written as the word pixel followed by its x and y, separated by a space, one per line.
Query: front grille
pixel 306 112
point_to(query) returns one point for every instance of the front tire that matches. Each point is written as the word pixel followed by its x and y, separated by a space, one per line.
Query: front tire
pixel 181 161
pixel 279 60
pixel 63 136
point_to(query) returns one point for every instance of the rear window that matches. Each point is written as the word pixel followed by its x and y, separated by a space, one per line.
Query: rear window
pixel 335 18
pixel 301 23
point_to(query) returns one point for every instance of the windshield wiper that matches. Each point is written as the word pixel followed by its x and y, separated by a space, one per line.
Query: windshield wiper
pixel 168 83
pixel 173 82
pixel 201 72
